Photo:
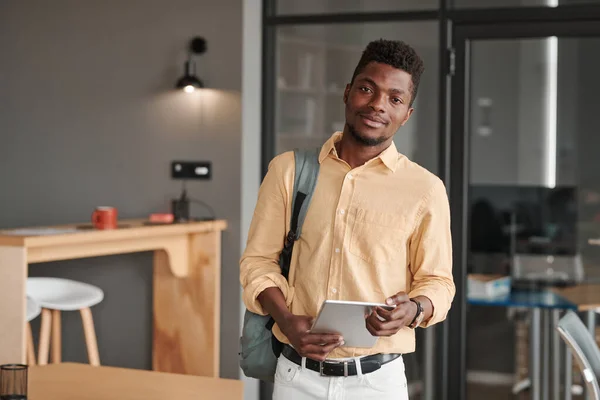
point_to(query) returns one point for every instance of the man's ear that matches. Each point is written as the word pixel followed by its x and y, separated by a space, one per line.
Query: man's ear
pixel 346 93
pixel 408 114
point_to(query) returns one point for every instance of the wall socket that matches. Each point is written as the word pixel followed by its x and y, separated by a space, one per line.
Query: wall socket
pixel 191 170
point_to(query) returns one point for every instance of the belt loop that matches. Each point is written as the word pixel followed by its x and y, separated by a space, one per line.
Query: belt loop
pixel 345 369
pixel 358 366
pixel 303 363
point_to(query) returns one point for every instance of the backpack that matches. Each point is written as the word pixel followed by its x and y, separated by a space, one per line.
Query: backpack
pixel 259 347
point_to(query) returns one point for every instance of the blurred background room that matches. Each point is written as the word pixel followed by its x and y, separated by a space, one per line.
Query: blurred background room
pixel 167 113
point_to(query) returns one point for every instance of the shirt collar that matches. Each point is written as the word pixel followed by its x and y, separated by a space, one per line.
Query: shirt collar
pixel 389 156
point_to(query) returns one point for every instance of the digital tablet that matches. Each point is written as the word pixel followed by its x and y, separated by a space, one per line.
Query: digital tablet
pixel 347 318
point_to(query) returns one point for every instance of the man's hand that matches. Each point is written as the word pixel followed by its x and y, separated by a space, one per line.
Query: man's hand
pixel 296 327
pixel 311 345
pixel 383 322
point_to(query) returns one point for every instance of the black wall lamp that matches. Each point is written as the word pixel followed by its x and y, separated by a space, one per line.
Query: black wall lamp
pixel 189 82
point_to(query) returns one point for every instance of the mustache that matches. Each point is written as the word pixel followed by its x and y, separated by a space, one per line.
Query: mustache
pixel 373 117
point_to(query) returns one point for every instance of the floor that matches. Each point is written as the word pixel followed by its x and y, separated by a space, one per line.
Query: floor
pixel 486 392
pixel 477 392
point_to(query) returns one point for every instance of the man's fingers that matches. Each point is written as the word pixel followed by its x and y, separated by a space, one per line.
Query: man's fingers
pixel 376 332
pixel 317 352
pixel 400 312
pixel 398 298
pixel 371 330
pixel 388 315
pixel 387 333
pixel 388 325
pixel 306 323
pixel 322 338
pixel 318 349
pixel 382 328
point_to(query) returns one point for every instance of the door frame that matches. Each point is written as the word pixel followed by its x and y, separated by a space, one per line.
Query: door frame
pixel 457 150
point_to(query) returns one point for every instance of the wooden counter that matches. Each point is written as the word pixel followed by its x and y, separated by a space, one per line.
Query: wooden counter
pixel 187 272
pixel 80 381
pixel 585 296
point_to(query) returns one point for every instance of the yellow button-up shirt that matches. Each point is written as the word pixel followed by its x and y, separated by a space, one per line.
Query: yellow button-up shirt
pixel 370 232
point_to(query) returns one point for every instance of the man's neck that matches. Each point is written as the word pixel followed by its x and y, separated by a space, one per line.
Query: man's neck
pixel 357 154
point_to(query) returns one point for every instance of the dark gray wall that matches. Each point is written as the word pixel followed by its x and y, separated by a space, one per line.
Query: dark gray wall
pixel 88 117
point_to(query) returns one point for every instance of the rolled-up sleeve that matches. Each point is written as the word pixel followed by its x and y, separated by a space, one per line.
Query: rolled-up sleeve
pixel 259 264
pixel 431 254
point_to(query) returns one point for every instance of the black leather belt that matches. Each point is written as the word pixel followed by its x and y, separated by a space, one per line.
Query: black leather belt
pixel 368 364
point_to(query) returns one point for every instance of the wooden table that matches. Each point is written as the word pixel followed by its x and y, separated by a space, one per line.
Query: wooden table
pixel 585 296
pixel 187 279
pixel 84 382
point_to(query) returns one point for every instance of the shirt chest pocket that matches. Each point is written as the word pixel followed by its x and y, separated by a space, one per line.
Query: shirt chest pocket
pixel 378 237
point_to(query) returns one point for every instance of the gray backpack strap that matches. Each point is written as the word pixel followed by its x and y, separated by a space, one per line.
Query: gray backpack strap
pixel 260 348
pixel 305 180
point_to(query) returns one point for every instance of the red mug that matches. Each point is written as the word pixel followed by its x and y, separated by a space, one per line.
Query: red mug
pixel 104 218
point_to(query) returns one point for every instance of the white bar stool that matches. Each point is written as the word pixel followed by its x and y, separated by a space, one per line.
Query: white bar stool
pixel 33 310
pixel 55 295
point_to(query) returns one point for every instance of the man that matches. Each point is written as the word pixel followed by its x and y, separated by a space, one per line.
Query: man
pixel 377 229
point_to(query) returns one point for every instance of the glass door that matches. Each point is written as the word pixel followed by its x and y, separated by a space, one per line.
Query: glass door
pixel 312 65
pixel 525 196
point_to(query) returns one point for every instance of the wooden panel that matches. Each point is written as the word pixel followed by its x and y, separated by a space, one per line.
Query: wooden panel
pixel 13 305
pixel 133 229
pixel 187 310
pixel 587 296
pixel 56 382
pixel 176 247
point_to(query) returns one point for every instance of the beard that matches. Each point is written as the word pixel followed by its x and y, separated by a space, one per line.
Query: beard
pixel 365 140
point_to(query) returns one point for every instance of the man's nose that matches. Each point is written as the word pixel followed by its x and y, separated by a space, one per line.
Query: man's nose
pixel 377 103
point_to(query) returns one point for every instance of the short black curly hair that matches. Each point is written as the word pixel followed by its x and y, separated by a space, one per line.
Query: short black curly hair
pixel 397 54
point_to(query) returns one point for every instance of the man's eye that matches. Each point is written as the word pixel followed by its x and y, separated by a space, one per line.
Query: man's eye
pixel 365 89
pixel 397 100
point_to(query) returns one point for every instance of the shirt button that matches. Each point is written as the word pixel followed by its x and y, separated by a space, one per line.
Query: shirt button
pixel 337 250
pixel 350 176
pixel 342 212
pixel 334 290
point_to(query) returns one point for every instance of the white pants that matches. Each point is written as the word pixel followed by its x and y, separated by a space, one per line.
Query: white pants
pixel 292 382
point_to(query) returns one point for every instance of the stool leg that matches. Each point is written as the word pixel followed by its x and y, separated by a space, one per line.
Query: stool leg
pixel 56 337
pixel 90 336
pixel 30 346
pixel 45 337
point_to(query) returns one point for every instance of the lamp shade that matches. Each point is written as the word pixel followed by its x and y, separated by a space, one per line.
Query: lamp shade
pixel 189 82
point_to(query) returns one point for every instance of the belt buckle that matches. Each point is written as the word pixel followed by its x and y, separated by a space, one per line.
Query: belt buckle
pixel 345 369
